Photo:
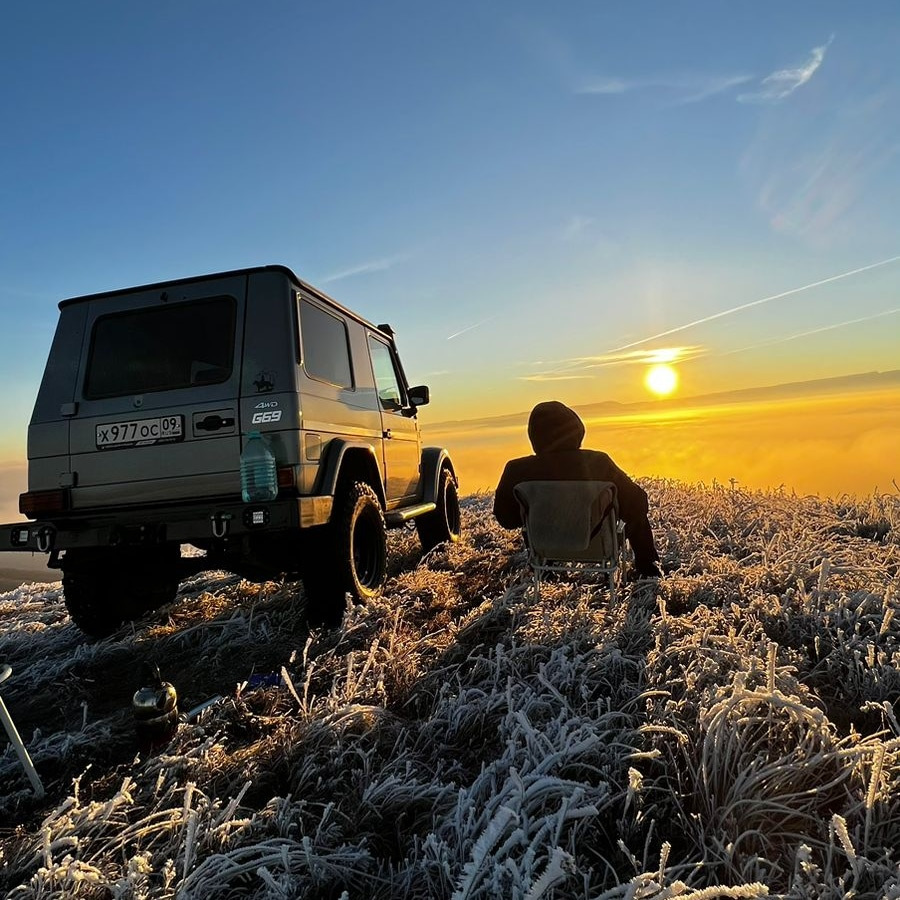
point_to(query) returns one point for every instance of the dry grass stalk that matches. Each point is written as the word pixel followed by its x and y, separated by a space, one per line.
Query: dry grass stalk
pixel 458 739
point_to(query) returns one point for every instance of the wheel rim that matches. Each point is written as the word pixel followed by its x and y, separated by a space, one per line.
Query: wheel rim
pixel 451 508
pixel 366 556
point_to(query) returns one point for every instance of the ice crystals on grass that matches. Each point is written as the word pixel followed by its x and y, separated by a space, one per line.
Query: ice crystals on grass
pixel 458 737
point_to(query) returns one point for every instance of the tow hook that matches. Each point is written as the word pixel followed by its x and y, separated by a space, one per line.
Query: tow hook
pixel 220 524
pixel 45 538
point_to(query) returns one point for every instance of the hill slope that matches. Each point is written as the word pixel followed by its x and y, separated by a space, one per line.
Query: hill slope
pixel 736 725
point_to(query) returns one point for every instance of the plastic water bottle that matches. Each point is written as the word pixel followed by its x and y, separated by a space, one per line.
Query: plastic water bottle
pixel 259 480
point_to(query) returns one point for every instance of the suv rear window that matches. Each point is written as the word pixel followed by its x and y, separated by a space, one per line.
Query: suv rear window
pixel 161 348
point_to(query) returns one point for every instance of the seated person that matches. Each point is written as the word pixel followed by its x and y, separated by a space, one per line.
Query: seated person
pixel 556 433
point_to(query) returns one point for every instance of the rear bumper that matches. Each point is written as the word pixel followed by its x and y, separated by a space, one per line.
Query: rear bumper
pixel 183 524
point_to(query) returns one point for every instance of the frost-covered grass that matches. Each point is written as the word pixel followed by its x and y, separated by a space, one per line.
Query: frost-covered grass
pixel 731 732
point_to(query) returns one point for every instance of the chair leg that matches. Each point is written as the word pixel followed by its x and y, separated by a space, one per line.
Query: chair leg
pixel 13 734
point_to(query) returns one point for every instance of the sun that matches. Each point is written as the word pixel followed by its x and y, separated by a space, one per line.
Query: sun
pixel 661 380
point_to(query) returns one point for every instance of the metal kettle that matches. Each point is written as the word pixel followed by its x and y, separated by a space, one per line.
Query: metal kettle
pixel 155 708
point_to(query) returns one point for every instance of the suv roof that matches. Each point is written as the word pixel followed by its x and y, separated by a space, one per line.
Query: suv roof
pixel 285 270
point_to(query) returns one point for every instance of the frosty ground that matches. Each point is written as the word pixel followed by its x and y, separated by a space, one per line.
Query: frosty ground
pixel 731 732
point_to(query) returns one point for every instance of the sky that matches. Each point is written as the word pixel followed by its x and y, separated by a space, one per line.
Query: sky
pixel 541 198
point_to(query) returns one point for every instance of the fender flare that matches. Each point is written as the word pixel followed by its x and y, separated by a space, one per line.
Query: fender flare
pixel 333 461
pixel 433 460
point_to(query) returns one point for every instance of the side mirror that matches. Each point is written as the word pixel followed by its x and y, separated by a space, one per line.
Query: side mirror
pixel 419 395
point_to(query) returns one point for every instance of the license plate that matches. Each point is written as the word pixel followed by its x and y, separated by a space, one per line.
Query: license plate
pixel 140 432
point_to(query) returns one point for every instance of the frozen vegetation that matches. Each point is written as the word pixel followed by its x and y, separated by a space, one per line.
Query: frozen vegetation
pixel 731 732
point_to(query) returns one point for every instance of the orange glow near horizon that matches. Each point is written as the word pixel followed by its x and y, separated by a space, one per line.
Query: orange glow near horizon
pixel 661 380
pixel 830 444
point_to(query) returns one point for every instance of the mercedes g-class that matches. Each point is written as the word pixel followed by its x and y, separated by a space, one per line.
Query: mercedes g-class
pixel 148 398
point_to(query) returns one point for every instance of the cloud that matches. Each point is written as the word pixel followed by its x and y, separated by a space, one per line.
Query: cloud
pixel 582 231
pixel 639 357
pixel 781 84
pixel 375 265
pixel 576 227
pixel 560 56
pixel 752 303
pixel 804 444
pixel 812 178
pixel 689 88
pixel 696 88
pixel 610 86
pixel 551 376
pixel 715 85
pixel 581 366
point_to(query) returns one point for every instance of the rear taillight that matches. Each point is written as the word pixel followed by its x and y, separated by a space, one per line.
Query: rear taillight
pixel 286 477
pixel 36 504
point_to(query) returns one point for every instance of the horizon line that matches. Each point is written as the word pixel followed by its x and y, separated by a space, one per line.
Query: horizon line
pixel 668 402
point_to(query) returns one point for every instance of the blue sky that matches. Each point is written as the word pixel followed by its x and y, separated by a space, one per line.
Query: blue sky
pixel 567 178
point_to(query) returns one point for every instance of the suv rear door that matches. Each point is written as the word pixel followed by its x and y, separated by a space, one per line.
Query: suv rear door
pixel 156 416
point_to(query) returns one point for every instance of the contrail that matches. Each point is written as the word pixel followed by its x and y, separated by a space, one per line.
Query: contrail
pixel 375 265
pixel 456 334
pixel 801 334
pixel 728 312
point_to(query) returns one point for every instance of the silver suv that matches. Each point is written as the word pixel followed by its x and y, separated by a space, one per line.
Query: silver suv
pixel 147 401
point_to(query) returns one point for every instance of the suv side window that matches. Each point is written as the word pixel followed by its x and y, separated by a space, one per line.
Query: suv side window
pixel 389 386
pixel 326 349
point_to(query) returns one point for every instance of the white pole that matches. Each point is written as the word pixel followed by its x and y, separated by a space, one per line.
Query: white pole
pixel 13 734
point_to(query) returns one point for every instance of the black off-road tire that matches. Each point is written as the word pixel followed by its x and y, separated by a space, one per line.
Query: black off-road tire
pixel 104 588
pixel 443 524
pixel 90 602
pixel 348 556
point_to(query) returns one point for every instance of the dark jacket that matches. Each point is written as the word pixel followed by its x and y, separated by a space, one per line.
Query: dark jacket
pixel 556 433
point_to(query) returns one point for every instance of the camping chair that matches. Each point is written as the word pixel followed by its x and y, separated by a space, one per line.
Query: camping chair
pixel 13 734
pixel 572 527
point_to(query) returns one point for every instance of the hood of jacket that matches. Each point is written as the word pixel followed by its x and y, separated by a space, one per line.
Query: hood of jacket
pixel 552 426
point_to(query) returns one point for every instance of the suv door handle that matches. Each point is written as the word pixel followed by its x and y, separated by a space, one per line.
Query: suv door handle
pixel 213 423
pixel 387 434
